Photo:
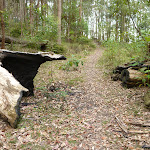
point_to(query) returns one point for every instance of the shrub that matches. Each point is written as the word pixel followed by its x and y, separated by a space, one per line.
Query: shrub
pixel 71 64
pixel 56 48
pixel 120 53
pixel 83 40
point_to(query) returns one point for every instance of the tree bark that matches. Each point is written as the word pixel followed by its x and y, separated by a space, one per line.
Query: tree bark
pixel 131 77
pixel 80 10
pixel 2 23
pixel 10 97
pixel 31 17
pixel 21 15
pixel 37 15
pixel 59 22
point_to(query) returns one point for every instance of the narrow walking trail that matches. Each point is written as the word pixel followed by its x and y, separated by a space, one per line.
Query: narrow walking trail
pixel 81 117
pixel 102 100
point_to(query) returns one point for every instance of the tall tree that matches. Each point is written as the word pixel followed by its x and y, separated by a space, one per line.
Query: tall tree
pixel 31 17
pixel 21 15
pixel 59 21
pixel 2 2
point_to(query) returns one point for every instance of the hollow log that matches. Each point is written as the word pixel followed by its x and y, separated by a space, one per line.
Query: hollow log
pixel 131 78
pixel 10 97
pixel 24 66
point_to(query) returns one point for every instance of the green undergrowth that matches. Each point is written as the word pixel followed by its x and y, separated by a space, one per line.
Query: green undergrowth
pixel 116 54
pixel 66 48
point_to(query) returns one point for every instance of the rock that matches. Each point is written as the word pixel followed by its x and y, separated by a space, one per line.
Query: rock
pixel 147 99
pixel 10 97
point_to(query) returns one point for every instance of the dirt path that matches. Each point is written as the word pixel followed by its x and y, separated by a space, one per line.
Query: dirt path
pixel 98 103
pixel 78 118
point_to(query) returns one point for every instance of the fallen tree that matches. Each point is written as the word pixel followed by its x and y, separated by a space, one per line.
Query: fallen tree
pixel 10 97
pixel 18 67
pixel 132 74
pixel 24 66
pixel 11 40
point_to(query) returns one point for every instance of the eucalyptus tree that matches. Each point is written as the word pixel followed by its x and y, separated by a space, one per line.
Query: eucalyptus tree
pixel 2 7
pixel 59 21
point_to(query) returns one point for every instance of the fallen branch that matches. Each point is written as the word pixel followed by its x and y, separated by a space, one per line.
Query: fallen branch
pixel 121 125
pixel 138 132
pixel 141 124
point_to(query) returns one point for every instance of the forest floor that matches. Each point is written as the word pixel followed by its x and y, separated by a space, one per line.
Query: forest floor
pixel 79 110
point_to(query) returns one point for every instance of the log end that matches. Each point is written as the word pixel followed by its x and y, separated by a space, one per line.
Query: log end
pixel 10 96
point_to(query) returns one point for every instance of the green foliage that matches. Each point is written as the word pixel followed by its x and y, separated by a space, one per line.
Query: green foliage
pixel 83 40
pixel 120 53
pixel 56 48
pixel 147 76
pixel 15 30
pixel 71 64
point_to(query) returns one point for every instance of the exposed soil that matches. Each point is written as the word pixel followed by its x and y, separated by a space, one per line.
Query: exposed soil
pixel 91 115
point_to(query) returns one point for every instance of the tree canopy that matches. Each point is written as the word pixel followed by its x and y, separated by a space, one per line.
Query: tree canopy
pixel 119 20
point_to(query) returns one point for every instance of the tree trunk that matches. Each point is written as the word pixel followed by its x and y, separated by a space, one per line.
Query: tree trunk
pixel 37 15
pixel 42 14
pixel 10 97
pixel 31 17
pixel 55 8
pixel 80 10
pixel 131 77
pixel 2 23
pixel 21 15
pixel 59 22
pixel 122 26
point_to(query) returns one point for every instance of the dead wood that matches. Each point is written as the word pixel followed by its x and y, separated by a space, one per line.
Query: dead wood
pixel 10 97
pixel 24 66
pixel 130 77
pixel 10 40
pixel 132 74
pixel 138 132
pixel 121 125
pixel 141 124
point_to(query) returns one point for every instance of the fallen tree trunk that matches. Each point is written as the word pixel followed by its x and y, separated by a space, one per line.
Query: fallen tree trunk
pixel 130 77
pixel 10 97
pixel 11 40
pixel 132 74
pixel 24 66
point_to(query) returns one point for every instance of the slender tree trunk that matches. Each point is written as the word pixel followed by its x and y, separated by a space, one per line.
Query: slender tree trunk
pixel 116 36
pixel 21 16
pixel 37 15
pixel 26 15
pixel 59 21
pixel 2 23
pixel 55 8
pixel 99 28
pixel 31 17
pixel 43 14
pixel 80 10
pixel 122 25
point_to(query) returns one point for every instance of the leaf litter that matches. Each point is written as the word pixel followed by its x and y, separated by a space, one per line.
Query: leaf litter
pixel 95 114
